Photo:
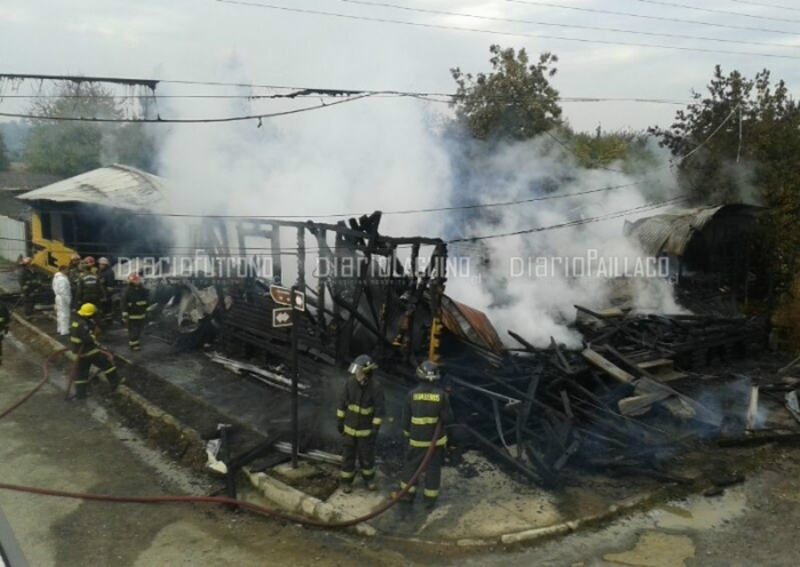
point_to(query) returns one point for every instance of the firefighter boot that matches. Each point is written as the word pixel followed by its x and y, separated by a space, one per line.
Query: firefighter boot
pixel 114 381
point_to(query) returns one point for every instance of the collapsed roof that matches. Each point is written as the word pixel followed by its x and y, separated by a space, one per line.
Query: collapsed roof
pixel 118 186
pixel 672 232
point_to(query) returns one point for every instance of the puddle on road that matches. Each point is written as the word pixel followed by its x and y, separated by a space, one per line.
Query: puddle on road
pixel 654 549
pixel 700 512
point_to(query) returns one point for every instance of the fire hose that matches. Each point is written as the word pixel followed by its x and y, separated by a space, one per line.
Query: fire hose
pixel 111 498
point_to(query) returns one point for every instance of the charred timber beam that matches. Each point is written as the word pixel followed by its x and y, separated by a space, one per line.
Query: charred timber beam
pixel 361 319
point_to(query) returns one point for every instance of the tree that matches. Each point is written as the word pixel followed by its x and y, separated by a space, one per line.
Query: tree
pixel 5 162
pixel 629 149
pixel 515 101
pixel 742 140
pixel 72 147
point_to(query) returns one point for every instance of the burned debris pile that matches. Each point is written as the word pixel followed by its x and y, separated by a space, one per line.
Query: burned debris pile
pixel 629 398
pixel 625 400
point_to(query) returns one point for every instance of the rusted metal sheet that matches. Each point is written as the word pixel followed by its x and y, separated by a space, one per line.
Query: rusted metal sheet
pixel 470 324
pixel 118 186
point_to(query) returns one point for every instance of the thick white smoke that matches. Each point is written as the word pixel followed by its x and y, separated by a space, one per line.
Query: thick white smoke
pixel 386 155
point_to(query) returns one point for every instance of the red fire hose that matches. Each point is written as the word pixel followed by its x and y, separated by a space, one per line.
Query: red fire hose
pixel 209 499
pixel 45 378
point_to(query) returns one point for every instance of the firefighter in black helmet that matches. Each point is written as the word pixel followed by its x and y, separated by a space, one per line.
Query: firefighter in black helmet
pixel 425 407
pixel 359 417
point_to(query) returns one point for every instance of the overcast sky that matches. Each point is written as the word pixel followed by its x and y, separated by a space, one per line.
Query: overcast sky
pixel 210 40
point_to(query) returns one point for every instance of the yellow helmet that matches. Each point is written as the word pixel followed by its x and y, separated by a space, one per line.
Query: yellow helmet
pixel 87 310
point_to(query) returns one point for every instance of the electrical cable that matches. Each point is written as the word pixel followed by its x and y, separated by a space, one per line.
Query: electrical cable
pixel 713 11
pixel 500 33
pixel 765 5
pixel 159 120
pixel 568 26
pixel 646 17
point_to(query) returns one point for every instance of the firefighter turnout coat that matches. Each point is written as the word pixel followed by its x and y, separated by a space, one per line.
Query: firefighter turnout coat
pixel 361 408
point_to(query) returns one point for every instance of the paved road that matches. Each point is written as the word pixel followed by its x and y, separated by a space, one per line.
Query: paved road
pixel 53 443
pixel 65 445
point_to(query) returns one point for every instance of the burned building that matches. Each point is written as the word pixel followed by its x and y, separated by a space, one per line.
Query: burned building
pixel 705 244
pixel 104 212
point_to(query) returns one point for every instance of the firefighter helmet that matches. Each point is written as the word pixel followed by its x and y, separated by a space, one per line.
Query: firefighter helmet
pixel 26 261
pixel 103 262
pixel 134 278
pixel 89 261
pixel 429 371
pixel 363 363
pixel 75 256
pixel 87 310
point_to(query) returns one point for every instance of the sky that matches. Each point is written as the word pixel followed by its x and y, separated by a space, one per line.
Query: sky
pixel 208 40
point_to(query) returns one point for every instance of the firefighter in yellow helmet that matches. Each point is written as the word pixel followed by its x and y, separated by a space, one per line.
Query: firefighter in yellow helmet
pixel 84 345
pixel 359 417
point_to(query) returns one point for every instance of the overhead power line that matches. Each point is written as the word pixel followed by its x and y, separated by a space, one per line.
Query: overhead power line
pixel 567 26
pixel 765 5
pixel 177 120
pixel 713 11
pixel 579 222
pixel 646 17
pixel 297 91
pixel 500 33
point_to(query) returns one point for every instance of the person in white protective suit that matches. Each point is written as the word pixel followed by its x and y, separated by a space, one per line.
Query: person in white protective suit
pixel 63 293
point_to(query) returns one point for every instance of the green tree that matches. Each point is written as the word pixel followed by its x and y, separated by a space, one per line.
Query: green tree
pixel 742 139
pixel 72 147
pixel 5 162
pixel 627 150
pixel 515 101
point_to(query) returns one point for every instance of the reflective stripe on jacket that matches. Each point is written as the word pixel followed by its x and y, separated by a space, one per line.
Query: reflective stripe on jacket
pixel 361 407
pixel 425 406
pixel 135 302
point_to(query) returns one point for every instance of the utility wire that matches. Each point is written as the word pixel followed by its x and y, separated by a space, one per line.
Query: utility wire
pixel 159 120
pixel 644 17
pixel 421 96
pixel 383 213
pixel 580 222
pixel 713 11
pixel 499 33
pixel 567 26
pixel 765 5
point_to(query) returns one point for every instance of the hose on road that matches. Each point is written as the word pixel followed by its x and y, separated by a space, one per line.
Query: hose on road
pixel 111 498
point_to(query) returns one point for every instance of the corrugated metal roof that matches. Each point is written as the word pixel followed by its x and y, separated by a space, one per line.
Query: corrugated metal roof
pixel 671 232
pixel 119 186
pixel 470 324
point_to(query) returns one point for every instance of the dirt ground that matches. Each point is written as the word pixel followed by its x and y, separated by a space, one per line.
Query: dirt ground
pixel 82 447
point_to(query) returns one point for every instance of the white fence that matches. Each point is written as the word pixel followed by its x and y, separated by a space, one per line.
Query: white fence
pixel 12 238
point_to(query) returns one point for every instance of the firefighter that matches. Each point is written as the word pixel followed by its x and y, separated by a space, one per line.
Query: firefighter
pixel 5 319
pixel 109 282
pixel 359 417
pixel 84 345
pixel 425 407
pixel 74 274
pixel 29 284
pixel 90 287
pixel 135 301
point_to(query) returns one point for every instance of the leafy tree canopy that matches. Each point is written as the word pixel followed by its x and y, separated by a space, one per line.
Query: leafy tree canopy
pixel 515 101
pixel 70 147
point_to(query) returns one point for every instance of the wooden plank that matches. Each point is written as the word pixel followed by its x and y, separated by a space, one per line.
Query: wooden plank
pixel 606 366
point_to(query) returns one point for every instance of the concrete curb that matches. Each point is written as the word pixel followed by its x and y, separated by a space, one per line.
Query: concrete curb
pixel 296 502
pixel 188 447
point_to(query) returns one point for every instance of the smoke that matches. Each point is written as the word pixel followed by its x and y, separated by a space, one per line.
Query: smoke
pixel 379 154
